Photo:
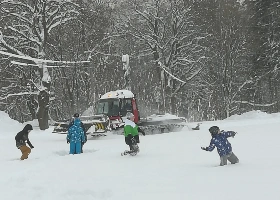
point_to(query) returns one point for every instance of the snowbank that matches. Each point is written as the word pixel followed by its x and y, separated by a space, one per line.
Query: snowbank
pixel 166 116
pixel 256 114
pixel 7 124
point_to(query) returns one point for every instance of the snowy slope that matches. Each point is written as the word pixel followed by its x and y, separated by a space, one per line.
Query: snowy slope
pixel 169 166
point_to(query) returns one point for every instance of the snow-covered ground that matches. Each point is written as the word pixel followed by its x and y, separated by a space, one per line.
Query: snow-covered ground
pixel 169 166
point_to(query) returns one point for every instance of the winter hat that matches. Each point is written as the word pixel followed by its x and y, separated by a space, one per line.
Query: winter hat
pixel 76 115
pixel 214 130
pixel 129 115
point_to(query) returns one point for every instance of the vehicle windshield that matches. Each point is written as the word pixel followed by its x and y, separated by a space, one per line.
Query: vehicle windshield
pixel 109 107
pixel 126 106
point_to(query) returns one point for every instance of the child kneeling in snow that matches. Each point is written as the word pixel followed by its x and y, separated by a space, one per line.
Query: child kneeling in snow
pixel 219 140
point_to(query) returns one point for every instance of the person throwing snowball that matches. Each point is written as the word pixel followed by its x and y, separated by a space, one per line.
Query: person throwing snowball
pixel 219 140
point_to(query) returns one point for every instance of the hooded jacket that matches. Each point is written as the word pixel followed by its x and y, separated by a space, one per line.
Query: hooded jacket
pixel 81 124
pixel 220 141
pixel 130 128
pixel 22 137
pixel 76 132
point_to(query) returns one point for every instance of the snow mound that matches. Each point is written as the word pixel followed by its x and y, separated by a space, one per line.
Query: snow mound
pixel 256 114
pixel 89 111
pixel 34 123
pixel 166 116
pixel 7 124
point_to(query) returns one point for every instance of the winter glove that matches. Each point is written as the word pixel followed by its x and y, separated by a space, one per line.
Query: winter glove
pixel 68 141
pixel 32 147
pixel 233 134
pixel 204 148
pixel 141 131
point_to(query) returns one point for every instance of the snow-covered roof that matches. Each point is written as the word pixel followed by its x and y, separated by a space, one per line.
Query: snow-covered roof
pixel 121 94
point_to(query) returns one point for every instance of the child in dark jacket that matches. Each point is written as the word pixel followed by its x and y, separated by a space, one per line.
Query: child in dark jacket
pixel 219 140
pixel 21 139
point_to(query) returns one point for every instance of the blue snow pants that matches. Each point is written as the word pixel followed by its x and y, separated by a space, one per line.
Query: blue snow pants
pixel 75 148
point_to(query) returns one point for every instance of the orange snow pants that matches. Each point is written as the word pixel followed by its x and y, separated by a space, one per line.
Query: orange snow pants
pixel 25 152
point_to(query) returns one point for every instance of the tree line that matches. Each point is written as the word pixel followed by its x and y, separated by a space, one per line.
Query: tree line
pixel 204 60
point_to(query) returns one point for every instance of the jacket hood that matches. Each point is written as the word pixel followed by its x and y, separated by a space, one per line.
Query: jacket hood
pixel 129 122
pixel 77 121
pixel 28 127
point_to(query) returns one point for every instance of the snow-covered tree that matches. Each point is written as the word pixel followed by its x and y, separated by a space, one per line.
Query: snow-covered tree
pixel 88 37
pixel 168 36
pixel 26 31
pixel 264 41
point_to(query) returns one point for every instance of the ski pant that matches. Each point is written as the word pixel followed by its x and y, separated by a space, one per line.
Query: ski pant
pixel 25 150
pixel 129 140
pixel 75 147
pixel 231 157
pixel 132 141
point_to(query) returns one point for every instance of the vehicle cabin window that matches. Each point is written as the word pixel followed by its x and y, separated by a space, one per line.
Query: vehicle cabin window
pixel 103 108
pixel 126 106
pixel 114 108
pixel 109 107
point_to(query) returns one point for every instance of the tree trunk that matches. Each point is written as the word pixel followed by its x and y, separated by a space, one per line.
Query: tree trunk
pixel 43 111
pixel 173 105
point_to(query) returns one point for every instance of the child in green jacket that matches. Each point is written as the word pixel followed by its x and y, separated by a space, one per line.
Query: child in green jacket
pixel 131 134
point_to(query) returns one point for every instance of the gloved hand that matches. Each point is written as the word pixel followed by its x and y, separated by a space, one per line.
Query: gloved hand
pixel 68 141
pixel 233 134
pixel 141 131
pixel 32 147
pixel 204 148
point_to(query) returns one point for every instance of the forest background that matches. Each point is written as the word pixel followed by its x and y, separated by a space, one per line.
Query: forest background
pixel 201 59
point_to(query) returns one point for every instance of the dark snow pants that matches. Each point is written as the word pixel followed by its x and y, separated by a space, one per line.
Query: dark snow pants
pixel 82 145
pixel 231 157
pixel 132 141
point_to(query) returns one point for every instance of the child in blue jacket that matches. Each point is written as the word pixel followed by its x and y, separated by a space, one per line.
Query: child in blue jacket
pixel 219 140
pixel 77 115
pixel 76 137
